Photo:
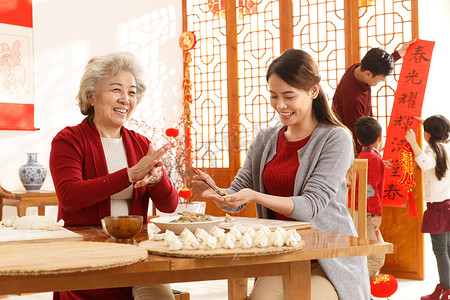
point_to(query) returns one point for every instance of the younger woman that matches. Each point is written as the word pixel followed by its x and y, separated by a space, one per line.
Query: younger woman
pixel 435 162
pixel 296 171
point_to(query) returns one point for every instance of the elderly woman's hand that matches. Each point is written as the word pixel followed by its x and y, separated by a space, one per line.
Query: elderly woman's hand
pixel 147 168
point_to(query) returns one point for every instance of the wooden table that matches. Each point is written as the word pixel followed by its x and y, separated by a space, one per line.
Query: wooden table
pixel 294 267
pixel 23 200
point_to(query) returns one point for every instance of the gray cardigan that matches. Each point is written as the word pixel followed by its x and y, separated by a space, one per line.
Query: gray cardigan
pixel 319 196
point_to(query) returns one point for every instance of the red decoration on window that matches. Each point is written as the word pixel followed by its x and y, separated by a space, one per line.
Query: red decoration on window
pixel 383 285
pixel 185 193
pixel 408 101
pixel 187 40
pixel 406 158
pixel 245 7
pixel 172 132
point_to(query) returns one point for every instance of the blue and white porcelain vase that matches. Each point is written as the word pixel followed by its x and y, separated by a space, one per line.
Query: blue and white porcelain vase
pixel 32 174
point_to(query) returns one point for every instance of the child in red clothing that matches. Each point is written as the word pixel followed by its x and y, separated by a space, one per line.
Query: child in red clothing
pixel 368 132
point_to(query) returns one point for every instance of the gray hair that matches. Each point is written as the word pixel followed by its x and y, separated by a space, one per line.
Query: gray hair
pixel 101 67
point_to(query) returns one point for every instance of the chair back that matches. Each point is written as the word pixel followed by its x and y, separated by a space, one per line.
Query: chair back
pixel 357 177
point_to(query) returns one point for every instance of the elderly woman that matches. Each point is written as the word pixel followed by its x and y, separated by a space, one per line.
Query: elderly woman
pixel 100 168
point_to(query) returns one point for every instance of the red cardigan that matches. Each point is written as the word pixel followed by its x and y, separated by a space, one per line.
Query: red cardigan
pixel 83 186
pixel 375 181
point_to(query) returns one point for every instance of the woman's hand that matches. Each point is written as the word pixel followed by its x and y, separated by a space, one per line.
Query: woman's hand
pixel 147 168
pixel 242 197
pixel 200 187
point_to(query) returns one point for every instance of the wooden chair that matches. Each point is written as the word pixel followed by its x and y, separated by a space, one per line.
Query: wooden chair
pixel 23 200
pixel 357 176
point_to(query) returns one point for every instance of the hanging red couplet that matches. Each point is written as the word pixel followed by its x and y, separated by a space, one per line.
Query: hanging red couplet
pixel 407 105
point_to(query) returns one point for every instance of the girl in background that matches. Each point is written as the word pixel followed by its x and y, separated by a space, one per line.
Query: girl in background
pixel 435 162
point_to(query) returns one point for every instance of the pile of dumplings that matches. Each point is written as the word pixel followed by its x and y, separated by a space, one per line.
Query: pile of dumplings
pixel 239 236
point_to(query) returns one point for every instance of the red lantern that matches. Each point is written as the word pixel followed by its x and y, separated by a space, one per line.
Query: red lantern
pixel 383 285
pixel 187 40
pixel 185 193
pixel 172 132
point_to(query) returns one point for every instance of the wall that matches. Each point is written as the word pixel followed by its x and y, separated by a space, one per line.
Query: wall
pixel 434 24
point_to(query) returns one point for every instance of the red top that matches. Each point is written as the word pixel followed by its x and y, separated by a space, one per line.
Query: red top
pixel 83 187
pixel 279 174
pixel 353 100
pixel 375 181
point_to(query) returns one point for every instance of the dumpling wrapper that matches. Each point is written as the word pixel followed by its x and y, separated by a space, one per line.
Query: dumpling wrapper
pixel 37 223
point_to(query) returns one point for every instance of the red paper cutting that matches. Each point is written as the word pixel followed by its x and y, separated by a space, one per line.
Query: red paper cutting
pixel 407 105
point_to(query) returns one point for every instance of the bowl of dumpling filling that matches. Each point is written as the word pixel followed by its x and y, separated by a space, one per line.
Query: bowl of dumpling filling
pixel 188 220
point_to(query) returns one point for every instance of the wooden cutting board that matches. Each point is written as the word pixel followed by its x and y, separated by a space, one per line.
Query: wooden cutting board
pixel 8 235
pixel 158 248
pixel 66 257
pixel 269 223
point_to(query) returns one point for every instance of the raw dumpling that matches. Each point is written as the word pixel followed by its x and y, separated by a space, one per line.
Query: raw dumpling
pixel 261 240
pixel 276 239
pixel 201 234
pixel 280 229
pixel 168 233
pixel 246 241
pixel 227 241
pixel 175 244
pixel 217 233
pixel 213 231
pixel 9 222
pixel 291 238
pixel 191 242
pixel 240 228
pixel 210 243
pixel 170 239
pixel 250 231
pixel 228 218
pixel 234 231
pixel 186 233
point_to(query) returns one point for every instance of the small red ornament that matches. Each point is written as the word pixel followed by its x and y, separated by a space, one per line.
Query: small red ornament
pixel 185 193
pixel 187 40
pixel 383 285
pixel 172 132
pixel 406 158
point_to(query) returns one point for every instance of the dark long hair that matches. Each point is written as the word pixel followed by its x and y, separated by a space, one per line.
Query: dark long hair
pixel 298 69
pixel 438 127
